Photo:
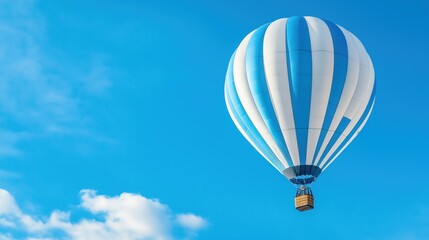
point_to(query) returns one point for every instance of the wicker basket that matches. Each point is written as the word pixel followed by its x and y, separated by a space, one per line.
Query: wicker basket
pixel 304 202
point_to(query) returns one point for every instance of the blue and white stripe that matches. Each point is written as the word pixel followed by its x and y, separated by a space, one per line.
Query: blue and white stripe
pixel 300 90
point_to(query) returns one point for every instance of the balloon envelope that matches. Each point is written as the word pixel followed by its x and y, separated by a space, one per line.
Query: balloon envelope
pixel 300 89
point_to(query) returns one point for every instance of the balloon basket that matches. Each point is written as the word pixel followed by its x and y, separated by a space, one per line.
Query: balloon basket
pixel 304 199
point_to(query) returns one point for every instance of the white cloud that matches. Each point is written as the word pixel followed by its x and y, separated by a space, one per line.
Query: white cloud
pixel 6 237
pixel 127 216
pixel 8 205
pixel 191 221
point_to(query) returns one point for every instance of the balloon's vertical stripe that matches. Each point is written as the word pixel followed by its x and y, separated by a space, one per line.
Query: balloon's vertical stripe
pixel 242 121
pixel 246 98
pixel 365 81
pixel 278 86
pixel 258 87
pixel 338 80
pixel 322 51
pixel 299 63
pixel 352 78
pixel 339 122
pixel 360 99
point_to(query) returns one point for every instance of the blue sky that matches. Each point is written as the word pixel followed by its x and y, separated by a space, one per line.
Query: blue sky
pixel 112 117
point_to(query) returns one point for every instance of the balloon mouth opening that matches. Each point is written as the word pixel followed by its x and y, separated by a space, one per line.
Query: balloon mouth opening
pixel 303 179
pixel 302 174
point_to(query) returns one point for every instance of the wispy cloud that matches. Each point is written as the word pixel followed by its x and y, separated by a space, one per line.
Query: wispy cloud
pixel 96 80
pixel 191 221
pixel 127 216
pixel 9 141
pixel 41 93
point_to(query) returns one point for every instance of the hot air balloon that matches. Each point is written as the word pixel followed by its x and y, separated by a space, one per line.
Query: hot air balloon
pixel 300 89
